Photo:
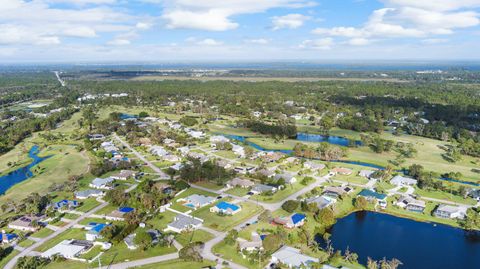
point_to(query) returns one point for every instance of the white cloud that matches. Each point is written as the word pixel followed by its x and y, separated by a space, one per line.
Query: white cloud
pixel 290 21
pixel 430 41
pixel 216 15
pixel 80 31
pixel 209 42
pixel 37 22
pixel 143 25
pixel 258 41
pixel 358 41
pixel 119 42
pixel 410 18
pixel 319 44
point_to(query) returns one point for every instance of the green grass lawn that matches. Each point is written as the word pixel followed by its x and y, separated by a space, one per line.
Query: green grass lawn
pixel 209 185
pixel 92 253
pixel 88 204
pixel 444 196
pixel 65 161
pixel 230 253
pixel 120 253
pixel 238 191
pixel 197 235
pixel 281 194
pixel 42 233
pixel 68 234
pixel 161 220
pixel 225 223
pixel 67 264
pixel 177 264
pixel 26 243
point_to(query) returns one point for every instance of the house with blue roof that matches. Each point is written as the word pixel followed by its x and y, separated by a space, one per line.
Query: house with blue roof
pixel 118 214
pixel 8 238
pixel 225 208
pixel 371 195
pixel 66 204
pixel 293 221
pixel 94 230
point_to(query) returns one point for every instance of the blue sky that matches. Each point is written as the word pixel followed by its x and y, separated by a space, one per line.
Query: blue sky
pixel 238 30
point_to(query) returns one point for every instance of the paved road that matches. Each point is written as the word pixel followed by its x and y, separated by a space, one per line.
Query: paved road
pixel 162 174
pixel 28 250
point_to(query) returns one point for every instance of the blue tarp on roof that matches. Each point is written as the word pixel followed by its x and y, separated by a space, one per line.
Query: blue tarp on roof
pixel 125 209
pixel 370 193
pixel 99 227
pixel 297 217
pixel 62 203
pixel 225 206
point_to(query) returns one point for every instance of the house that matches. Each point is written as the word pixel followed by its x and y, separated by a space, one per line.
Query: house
pixel 69 249
pixel 266 172
pixel 411 204
pixel 201 157
pixel 196 200
pixel 118 214
pixel 177 166
pixel 474 193
pixel 184 150
pixel 403 181
pixel 8 237
pixel 244 169
pixel 291 160
pixel 238 150
pixel 287 177
pixel 240 182
pixel 272 156
pixel 314 165
pixel 196 134
pixel 450 212
pixel 366 173
pixel 341 171
pixel 94 137
pixel 261 188
pixel 223 163
pixel 124 175
pixel 225 208
pixel 67 204
pixel 88 193
pixel 102 183
pixel 335 192
pixel 159 151
pixel 250 246
pixel 370 195
pixel 321 201
pixel 218 139
pixel 94 230
pixel 293 221
pixel 292 258
pixel 26 223
pixel 129 241
pixel 171 158
pixel 182 223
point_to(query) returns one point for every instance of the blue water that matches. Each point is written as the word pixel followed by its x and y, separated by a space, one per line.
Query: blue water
pixel 334 140
pixel 23 173
pixel 415 244
pixel 125 116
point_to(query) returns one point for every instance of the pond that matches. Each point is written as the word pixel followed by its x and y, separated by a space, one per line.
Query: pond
pixel 125 116
pixel 415 244
pixel 23 173
pixel 334 140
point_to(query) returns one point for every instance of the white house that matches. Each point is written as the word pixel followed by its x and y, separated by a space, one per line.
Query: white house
pixel 102 183
pixel 225 208
pixel 196 201
pixel 403 181
pixel 182 223
pixel 69 249
pixel 292 257
pixel 450 212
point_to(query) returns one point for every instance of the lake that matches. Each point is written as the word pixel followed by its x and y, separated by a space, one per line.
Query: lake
pixel 334 140
pixel 23 173
pixel 415 244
